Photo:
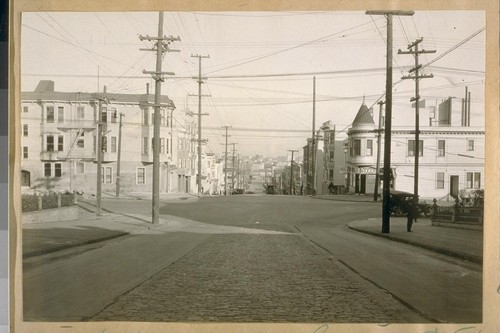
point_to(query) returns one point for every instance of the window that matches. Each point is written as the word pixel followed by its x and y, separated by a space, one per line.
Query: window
pixel 104 144
pixel 49 142
pixel 411 148
pixel 369 147
pixel 80 167
pixel 140 176
pixel 441 147
pixel 145 145
pixel 25 152
pixel 167 147
pixel 162 145
pixel 356 147
pixel 104 115
pixel 332 155
pixel 80 112
pixel 47 167
pixel 25 130
pixel 106 175
pixel 470 145
pixel 330 175
pixel 477 180
pixel 440 180
pixel 60 143
pixel 58 170
pixel 50 114
pixel 113 144
pixel 25 109
pixel 473 180
pixel 179 161
pixel 114 115
pixel 94 143
pixel 81 141
pixel 60 114
pixel 332 137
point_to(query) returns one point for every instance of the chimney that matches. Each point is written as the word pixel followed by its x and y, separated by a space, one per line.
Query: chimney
pixel 105 89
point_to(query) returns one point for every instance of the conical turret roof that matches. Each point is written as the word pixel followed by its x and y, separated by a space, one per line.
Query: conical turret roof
pixel 363 116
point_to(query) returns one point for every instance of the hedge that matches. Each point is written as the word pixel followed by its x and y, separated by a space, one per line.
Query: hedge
pixel 30 201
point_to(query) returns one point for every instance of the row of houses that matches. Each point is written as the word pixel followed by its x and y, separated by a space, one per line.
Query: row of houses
pixel 451 151
pixel 59 143
pixel 59 148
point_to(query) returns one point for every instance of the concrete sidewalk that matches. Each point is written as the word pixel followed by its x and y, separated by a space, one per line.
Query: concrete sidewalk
pixel 42 238
pixel 460 243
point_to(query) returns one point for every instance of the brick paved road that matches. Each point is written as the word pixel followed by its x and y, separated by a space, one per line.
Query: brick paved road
pixel 257 278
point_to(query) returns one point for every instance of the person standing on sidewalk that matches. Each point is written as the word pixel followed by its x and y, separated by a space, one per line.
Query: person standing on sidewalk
pixel 410 216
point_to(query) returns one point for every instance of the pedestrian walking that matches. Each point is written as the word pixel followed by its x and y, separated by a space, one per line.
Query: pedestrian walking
pixel 410 216
pixel 330 188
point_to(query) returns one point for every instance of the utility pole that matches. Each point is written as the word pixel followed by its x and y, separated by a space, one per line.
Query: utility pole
pixel 225 162
pixel 379 134
pixel 238 171
pixel 100 130
pixel 313 162
pixel 161 46
pixel 119 157
pixel 416 52
pixel 199 114
pixel 232 166
pixel 291 170
pixel 386 209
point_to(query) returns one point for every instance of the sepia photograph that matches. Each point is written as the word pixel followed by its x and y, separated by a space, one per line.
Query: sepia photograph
pixel 252 167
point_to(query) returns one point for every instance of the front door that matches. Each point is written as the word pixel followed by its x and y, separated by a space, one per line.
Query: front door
pixel 363 184
pixel 454 186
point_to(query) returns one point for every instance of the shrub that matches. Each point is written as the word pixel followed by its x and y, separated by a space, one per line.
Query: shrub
pixel 67 199
pixel 29 202
pixel 49 201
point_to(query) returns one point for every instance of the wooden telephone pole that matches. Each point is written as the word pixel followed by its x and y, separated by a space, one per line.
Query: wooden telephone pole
pixel 386 209
pixel 161 46
pixel 291 171
pixel 199 114
pixel 416 52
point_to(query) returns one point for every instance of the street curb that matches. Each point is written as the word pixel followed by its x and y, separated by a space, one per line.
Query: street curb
pixel 344 200
pixel 71 245
pixel 450 253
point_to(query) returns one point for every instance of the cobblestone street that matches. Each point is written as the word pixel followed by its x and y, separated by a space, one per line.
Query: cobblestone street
pixel 257 278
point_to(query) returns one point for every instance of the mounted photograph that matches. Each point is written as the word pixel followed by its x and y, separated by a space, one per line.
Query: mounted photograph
pixel 242 167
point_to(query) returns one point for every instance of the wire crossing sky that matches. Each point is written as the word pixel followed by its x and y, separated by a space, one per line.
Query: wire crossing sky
pixel 261 64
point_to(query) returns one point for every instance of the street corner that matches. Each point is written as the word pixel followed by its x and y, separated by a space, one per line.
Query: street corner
pixel 368 223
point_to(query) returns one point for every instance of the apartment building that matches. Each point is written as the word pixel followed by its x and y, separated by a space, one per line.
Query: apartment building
pixel 59 141
pixel 451 149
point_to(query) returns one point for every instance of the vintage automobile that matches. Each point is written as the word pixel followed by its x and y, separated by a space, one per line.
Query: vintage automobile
pixel 270 189
pixel 400 200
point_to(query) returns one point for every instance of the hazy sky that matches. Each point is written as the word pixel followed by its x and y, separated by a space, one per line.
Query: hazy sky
pixel 261 64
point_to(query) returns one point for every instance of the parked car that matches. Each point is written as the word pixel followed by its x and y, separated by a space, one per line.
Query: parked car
pixel 270 189
pixel 400 200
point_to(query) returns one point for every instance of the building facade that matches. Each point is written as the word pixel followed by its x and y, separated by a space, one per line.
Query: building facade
pixel 451 150
pixel 59 142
